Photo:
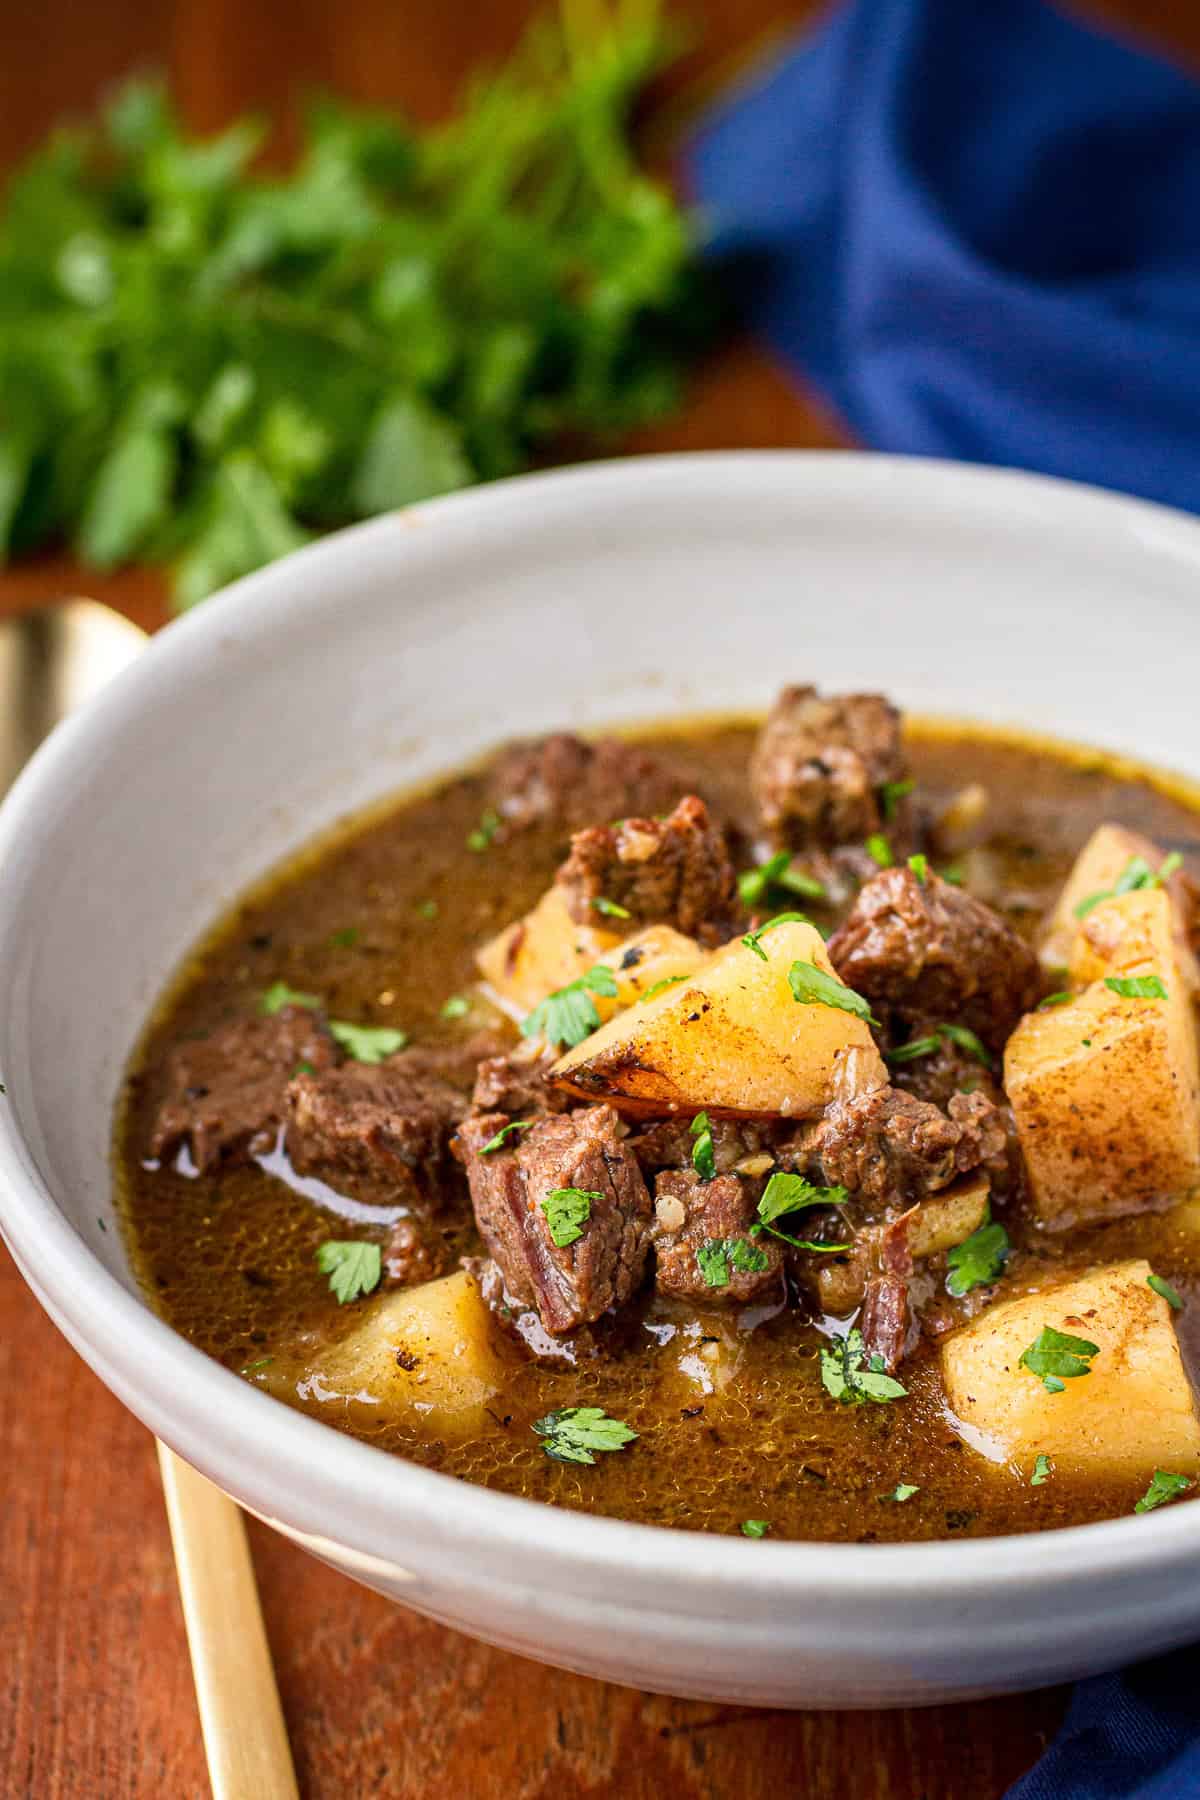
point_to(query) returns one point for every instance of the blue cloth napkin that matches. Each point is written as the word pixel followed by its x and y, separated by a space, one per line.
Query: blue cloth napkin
pixel 974 225
pixel 1134 1736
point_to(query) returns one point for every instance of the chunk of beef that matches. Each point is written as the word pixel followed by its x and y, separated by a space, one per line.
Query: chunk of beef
pixel 570 1284
pixel 415 1252
pixel 673 871
pixel 568 782
pixel 693 1216
pixel 380 1131
pixel 515 1083
pixel 601 1341
pixel 820 766
pixel 456 1060
pixel 742 1146
pixel 946 1071
pixel 886 1147
pixel 922 951
pixel 888 1320
pixel 225 1094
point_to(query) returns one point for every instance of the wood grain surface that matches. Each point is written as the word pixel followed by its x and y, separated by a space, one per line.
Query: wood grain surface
pixel 96 1700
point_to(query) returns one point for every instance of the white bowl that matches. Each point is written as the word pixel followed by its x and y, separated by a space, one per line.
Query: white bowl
pixel 390 652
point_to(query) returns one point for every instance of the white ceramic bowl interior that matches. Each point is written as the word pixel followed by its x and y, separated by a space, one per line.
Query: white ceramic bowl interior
pixel 381 656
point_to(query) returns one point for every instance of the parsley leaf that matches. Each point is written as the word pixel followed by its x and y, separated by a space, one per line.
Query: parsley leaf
pixel 848 1380
pixel 367 1043
pixel 879 850
pixel 1056 1356
pixel 1059 999
pixel 1136 875
pixel 279 995
pixel 1163 1486
pixel 778 872
pixel 755 1528
pixel 786 1193
pixel 352 1268
pixel 610 909
pixel 573 1432
pixel 966 1040
pixel 1171 1295
pixel 456 1007
pixel 345 939
pixel 920 867
pixel 978 1260
pixel 890 795
pixel 811 986
pixel 1041 1471
pixel 703 1160
pixel 903 1490
pixel 568 1015
pixel 505 1131
pixel 567 1211
pixel 751 939
pixel 927 1046
pixel 1136 987
pixel 483 834
pixel 715 1257
pixel 915 1047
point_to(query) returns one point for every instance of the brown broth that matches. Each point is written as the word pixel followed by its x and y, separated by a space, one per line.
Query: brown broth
pixel 229 1260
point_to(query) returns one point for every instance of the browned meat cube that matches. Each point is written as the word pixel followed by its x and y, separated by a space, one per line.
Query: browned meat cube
pixel 565 781
pixel 820 767
pixel 702 1244
pixel 515 1083
pixel 674 871
pixel 924 951
pixel 575 1279
pixel 669 1144
pixel 380 1131
pixel 416 1251
pixel 225 1094
pixel 887 1148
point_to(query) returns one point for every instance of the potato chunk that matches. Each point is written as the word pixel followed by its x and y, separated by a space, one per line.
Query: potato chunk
pixel 543 951
pixel 1132 1413
pixel 658 953
pixel 733 1039
pixel 422 1354
pixel 1131 933
pixel 945 1219
pixel 1097 869
pixel 1105 1089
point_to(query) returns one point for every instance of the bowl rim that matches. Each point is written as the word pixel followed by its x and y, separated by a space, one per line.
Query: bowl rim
pixel 307 1473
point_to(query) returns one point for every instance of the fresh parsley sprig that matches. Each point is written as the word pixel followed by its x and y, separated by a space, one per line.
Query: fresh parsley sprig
pixel 567 1211
pixel 353 1268
pixel 811 986
pixel 851 1378
pixel 978 1260
pixel 569 1014
pixel 572 1433
pixel 1056 1357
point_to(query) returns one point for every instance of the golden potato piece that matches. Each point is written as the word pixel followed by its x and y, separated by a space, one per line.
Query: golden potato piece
pixel 1097 869
pixel 945 1219
pixel 1130 933
pixel 732 1039
pixel 1132 1413
pixel 543 951
pixel 659 953
pixel 423 1354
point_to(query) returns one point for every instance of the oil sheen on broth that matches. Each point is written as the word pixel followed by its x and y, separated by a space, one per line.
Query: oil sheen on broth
pixel 383 919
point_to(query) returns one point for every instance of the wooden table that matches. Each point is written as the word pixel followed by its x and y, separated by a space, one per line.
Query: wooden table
pixel 95 1691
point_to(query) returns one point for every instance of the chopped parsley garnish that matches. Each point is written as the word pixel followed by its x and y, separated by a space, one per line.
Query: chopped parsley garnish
pixel 755 1528
pixel 966 1040
pixel 573 1432
pixel 778 872
pixel 428 909
pixel 850 1378
pixel 485 831
pixel 567 1211
pixel 303 1068
pixel 920 867
pixel 352 1268
pixel 279 995
pixel 1041 1471
pixel 345 939
pixel 610 908
pixel 505 1131
pixel 456 1007
pixel 703 1160
pixel 568 1015
pixel 1164 1486
pixel 1171 1295
pixel 811 986
pixel 978 1260
pixel 928 1046
pixel 953 873
pixel 1056 1356
pixel 252 1368
pixel 786 1193
pixel 716 1256
pixel 891 793
pixel 1137 987
pixel 367 1043
pixel 879 850
pixel 903 1490
pixel 751 938
pixel 660 987
pixel 1135 876
pixel 1059 999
